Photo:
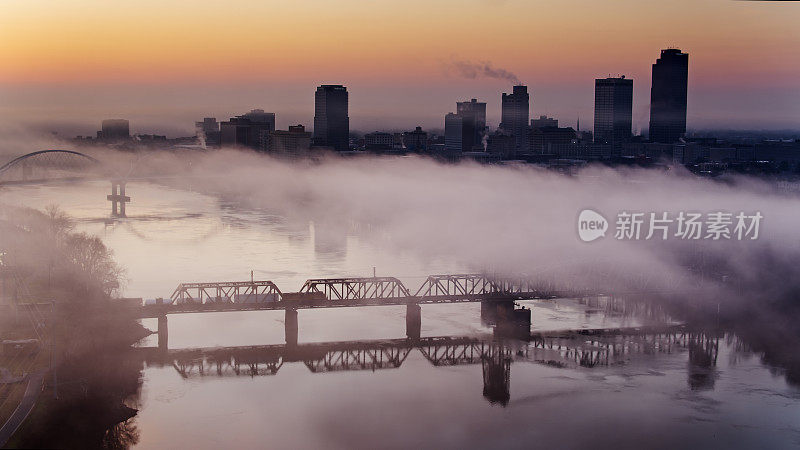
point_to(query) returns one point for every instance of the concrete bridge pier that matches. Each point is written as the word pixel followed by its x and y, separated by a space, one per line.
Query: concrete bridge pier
pixel 413 321
pixel 291 327
pixel 511 321
pixel 163 332
pixel 118 198
pixel 488 312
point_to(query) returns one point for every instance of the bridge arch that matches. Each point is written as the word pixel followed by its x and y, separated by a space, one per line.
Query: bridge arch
pixel 51 159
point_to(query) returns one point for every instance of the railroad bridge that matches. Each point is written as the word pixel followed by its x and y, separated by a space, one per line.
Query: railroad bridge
pixel 497 297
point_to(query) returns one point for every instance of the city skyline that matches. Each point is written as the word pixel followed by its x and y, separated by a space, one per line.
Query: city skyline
pixel 403 74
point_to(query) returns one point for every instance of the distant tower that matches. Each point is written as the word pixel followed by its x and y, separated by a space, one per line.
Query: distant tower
pixel 115 130
pixel 668 96
pixel 331 122
pixel 515 116
pixel 613 111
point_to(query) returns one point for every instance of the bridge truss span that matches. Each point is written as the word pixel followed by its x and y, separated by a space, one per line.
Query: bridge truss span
pixel 464 287
pixel 357 289
pixel 236 292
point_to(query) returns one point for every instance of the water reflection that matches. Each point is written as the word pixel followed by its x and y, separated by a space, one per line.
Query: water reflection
pixel 561 350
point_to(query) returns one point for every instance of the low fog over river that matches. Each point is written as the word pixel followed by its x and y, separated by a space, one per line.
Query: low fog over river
pixel 657 391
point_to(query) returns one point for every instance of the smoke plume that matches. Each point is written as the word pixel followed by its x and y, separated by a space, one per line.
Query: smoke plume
pixel 485 69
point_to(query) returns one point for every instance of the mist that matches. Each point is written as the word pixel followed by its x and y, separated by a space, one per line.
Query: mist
pixel 510 220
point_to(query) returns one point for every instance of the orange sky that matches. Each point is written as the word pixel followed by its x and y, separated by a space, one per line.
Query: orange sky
pixel 544 42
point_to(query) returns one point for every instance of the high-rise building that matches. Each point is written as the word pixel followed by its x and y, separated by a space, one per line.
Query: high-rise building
pixel 248 130
pixel 668 96
pixel 473 113
pixel 115 130
pixel 515 114
pixel 613 111
pixel 331 122
pixel 453 133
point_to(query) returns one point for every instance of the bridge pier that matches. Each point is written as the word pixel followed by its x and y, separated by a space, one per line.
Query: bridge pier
pixel 510 321
pixel 492 311
pixel 488 313
pixel 291 327
pixel 413 321
pixel 118 198
pixel 163 332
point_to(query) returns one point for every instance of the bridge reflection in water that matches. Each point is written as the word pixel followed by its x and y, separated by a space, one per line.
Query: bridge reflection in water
pixel 569 349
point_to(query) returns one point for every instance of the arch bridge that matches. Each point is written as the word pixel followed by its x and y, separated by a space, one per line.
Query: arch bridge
pixel 49 165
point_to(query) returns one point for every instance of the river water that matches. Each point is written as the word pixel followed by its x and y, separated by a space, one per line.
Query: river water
pixel 354 381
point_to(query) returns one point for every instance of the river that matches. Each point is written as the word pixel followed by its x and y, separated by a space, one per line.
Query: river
pixel 359 385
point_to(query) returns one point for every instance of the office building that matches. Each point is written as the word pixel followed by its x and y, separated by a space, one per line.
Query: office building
pixel 114 130
pixel 331 122
pixel 668 96
pixel 208 131
pixel 473 114
pixel 378 141
pixel 541 138
pixel 613 112
pixel 416 141
pixel 515 114
pixel 501 144
pixel 293 143
pixel 544 121
pixel 453 133
pixel 248 130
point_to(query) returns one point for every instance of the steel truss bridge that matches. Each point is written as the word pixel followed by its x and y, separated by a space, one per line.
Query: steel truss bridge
pixel 557 349
pixel 350 292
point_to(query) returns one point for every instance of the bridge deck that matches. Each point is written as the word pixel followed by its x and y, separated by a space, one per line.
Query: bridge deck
pixel 153 311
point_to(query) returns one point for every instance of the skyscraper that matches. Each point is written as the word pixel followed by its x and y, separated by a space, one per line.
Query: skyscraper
pixel 454 133
pixel 515 115
pixel 668 96
pixel 613 111
pixel 331 122
pixel 473 113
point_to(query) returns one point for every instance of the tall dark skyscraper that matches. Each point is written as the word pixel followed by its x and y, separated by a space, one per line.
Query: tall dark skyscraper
pixel 668 96
pixel 613 111
pixel 331 122
pixel 473 113
pixel 515 116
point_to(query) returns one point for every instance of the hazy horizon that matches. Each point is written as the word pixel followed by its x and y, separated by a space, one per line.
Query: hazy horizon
pixel 404 65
